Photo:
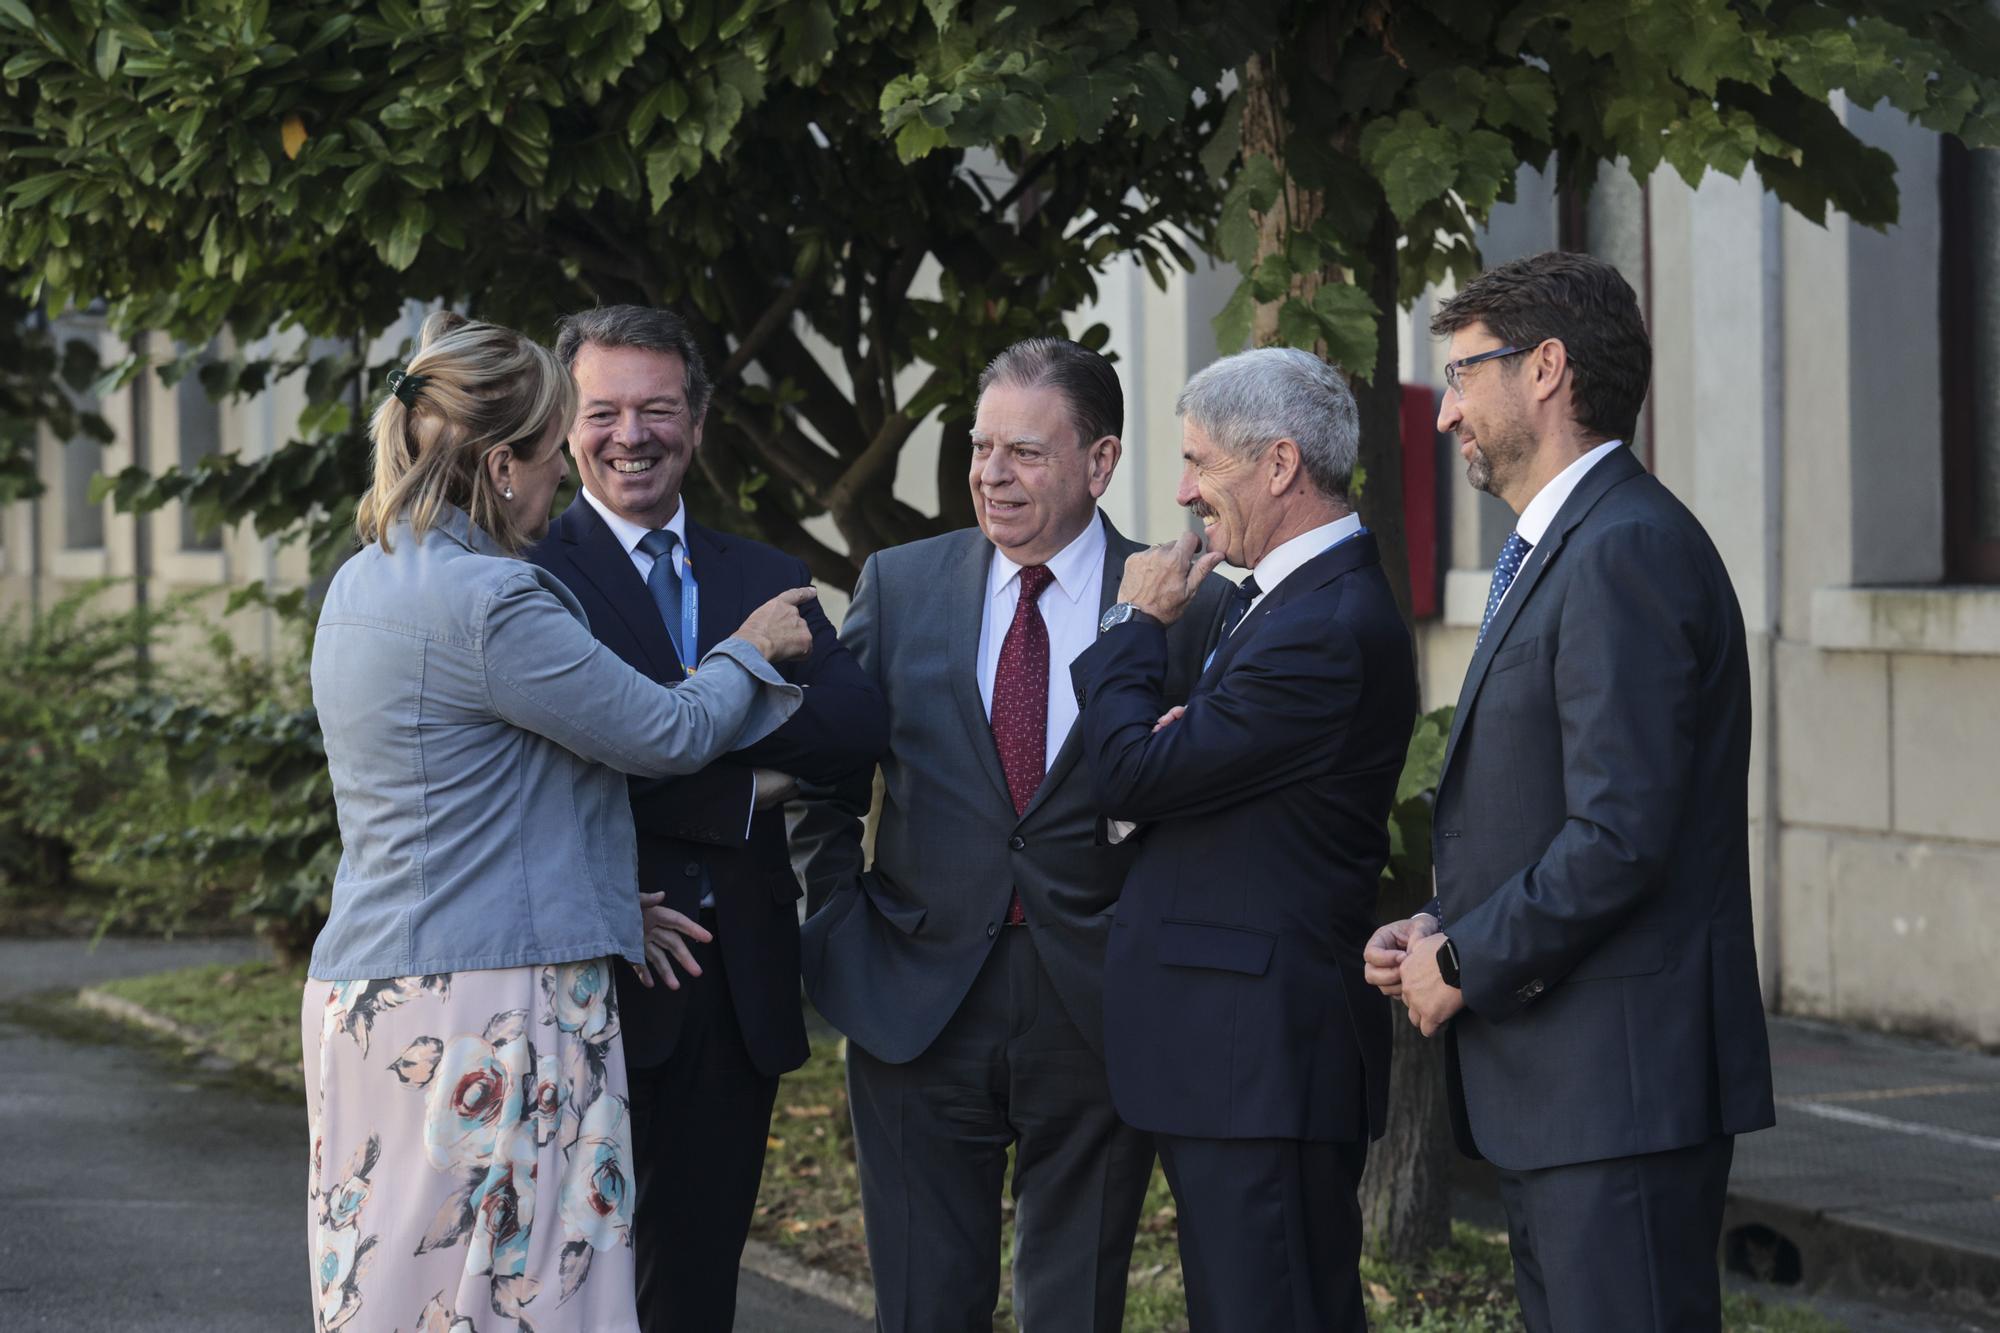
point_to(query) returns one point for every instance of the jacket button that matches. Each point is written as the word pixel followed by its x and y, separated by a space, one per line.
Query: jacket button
pixel 692 870
pixel 1017 842
pixel 992 929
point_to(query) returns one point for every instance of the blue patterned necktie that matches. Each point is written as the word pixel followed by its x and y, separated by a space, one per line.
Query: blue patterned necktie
pixel 1512 553
pixel 666 584
pixel 1239 605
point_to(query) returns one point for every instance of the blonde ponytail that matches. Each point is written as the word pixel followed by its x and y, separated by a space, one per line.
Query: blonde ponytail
pixel 470 389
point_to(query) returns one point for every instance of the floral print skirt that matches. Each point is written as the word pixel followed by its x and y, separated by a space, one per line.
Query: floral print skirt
pixel 471 1153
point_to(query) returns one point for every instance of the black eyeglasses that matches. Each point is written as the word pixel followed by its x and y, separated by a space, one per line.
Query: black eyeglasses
pixel 1453 369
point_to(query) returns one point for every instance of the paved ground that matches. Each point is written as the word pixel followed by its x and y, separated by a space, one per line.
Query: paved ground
pixel 141 1195
pixel 1884 1169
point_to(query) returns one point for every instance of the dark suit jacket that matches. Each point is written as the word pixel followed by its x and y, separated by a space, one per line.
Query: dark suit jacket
pixel 1233 1000
pixel 890 952
pixel 703 821
pixel 1592 844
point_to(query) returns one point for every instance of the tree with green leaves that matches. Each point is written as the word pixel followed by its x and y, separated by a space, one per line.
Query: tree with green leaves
pixel 313 168
pixel 43 377
pixel 1367 144
pixel 858 201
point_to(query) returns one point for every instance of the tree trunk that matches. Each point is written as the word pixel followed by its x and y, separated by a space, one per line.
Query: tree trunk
pixel 1405 1193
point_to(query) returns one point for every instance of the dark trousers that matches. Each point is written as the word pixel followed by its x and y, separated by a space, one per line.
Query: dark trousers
pixel 699 1125
pixel 1627 1243
pixel 1270 1233
pixel 931 1137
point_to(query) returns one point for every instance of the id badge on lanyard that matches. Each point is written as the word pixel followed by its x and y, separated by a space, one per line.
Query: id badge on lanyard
pixel 690 611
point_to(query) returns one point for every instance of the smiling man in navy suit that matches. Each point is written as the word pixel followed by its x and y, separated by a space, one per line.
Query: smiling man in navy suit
pixel 1237 1025
pixel 706 1050
pixel 1589 953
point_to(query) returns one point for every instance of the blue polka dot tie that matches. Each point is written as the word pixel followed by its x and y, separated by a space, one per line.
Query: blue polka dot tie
pixel 1512 553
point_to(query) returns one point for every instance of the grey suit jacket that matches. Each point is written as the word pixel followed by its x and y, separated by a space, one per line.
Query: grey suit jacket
pixel 890 951
pixel 1592 841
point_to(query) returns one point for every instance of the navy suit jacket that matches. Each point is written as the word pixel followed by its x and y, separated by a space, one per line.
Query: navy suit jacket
pixel 703 820
pixel 1234 1005
pixel 1592 846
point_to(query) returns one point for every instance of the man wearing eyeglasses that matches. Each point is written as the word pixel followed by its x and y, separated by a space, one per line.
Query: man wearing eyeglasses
pixel 1589 955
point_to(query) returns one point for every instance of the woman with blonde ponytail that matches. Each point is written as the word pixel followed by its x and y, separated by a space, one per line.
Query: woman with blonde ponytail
pixel 466 1090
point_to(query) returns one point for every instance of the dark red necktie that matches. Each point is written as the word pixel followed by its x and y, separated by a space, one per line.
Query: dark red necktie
pixel 1021 702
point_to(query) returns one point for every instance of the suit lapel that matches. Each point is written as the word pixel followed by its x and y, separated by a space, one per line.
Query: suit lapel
pixel 1616 467
pixel 1355 553
pixel 1117 549
pixel 720 581
pixel 597 555
pixel 965 613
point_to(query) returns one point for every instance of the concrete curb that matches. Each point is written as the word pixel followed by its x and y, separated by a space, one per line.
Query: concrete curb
pixel 125 1011
pixel 765 1260
pixel 774 1265
pixel 1867 1259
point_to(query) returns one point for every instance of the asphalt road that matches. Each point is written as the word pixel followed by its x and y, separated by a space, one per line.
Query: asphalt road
pixel 141 1193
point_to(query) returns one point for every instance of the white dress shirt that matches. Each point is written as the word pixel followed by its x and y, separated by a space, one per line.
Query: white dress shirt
pixel 1548 502
pixel 1069 608
pixel 629 535
pixel 1285 559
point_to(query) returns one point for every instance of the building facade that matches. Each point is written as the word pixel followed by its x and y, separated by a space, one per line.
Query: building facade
pixel 1825 398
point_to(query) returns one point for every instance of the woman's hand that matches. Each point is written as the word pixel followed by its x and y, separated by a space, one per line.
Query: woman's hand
pixel 663 929
pixel 777 630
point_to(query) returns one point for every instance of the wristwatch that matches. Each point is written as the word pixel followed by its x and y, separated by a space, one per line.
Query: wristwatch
pixel 1448 964
pixel 1123 612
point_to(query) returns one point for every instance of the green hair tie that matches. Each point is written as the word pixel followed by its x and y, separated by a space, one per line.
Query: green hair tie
pixel 405 386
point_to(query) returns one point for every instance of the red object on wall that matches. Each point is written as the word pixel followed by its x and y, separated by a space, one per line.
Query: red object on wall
pixel 1420 499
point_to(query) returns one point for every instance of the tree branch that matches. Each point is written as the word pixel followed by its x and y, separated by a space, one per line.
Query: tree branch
pixel 777 313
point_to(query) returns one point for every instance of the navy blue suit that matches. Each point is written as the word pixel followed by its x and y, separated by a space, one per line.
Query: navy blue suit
pixel 705 1059
pixel 1593 871
pixel 1237 1025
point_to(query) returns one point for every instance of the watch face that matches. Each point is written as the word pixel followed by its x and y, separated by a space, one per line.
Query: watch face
pixel 1117 615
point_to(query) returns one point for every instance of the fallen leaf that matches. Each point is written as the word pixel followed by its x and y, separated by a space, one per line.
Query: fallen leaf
pixel 1380 1295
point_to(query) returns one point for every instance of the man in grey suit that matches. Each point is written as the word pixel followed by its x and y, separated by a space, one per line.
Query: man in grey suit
pixel 1589 952
pixel 965 964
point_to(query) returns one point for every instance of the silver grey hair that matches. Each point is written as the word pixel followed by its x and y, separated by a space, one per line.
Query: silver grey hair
pixel 1246 401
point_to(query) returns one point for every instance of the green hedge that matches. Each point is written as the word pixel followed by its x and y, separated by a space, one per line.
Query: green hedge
pixel 152 789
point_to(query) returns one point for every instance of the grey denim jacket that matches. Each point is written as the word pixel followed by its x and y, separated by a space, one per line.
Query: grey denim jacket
pixel 477 736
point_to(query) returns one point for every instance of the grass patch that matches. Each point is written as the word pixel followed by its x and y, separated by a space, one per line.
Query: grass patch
pixel 810 1201
pixel 810 1205
pixel 245 1012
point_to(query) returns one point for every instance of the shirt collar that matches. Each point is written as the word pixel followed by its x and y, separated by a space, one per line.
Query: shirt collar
pixel 629 534
pixel 1072 565
pixel 456 524
pixel 1284 559
pixel 1548 502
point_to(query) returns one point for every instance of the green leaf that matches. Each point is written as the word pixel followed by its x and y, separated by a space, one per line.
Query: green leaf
pixel 1232 322
pixel 1349 322
pixel 1260 182
pixel 1272 278
pixel 109 48
pixel 1416 161
pixel 918 139
pixel 399 249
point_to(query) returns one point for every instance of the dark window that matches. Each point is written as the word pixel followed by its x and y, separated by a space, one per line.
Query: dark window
pixel 82 459
pixel 198 428
pixel 1969 311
